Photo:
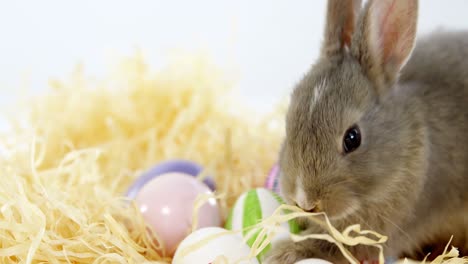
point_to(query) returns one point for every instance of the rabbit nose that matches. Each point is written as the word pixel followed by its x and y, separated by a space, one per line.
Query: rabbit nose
pixel 302 201
pixel 310 208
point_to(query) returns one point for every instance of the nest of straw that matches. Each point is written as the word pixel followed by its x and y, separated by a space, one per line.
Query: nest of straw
pixel 73 152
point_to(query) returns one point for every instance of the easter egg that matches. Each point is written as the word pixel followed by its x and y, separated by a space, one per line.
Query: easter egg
pixel 167 203
pixel 181 166
pixel 313 261
pixel 251 208
pixel 272 180
pixel 213 243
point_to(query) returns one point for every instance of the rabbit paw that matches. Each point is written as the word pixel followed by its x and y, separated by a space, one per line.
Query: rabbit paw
pixel 286 252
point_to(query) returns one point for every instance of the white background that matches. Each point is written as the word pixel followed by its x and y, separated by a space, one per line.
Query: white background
pixel 272 42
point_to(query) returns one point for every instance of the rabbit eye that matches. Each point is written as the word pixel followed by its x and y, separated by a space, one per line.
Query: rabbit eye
pixel 352 139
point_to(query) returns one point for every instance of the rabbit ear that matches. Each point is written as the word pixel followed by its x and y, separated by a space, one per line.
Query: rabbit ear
pixel 339 26
pixel 387 32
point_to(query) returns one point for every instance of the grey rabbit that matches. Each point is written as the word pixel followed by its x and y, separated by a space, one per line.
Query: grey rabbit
pixel 377 134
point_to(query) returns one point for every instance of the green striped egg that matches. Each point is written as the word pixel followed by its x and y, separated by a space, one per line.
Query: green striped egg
pixel 252 207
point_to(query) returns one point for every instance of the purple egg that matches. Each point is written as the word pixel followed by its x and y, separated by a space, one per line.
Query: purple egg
pixel 171 166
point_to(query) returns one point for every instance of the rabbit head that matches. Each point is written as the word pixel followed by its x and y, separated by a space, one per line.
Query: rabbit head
pixel 342 142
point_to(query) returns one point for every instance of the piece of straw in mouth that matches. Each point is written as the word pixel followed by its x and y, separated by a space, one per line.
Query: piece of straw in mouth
pixel 271 225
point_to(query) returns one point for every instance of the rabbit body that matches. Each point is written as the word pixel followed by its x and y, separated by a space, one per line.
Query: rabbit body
pixel 408 177
pixel 437 75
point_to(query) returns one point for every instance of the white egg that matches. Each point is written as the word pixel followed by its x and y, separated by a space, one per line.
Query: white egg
pixel 313 261
pixel 214 244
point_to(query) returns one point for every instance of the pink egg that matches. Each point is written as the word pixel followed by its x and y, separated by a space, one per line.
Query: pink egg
pixel 272 180
pixel 167 203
